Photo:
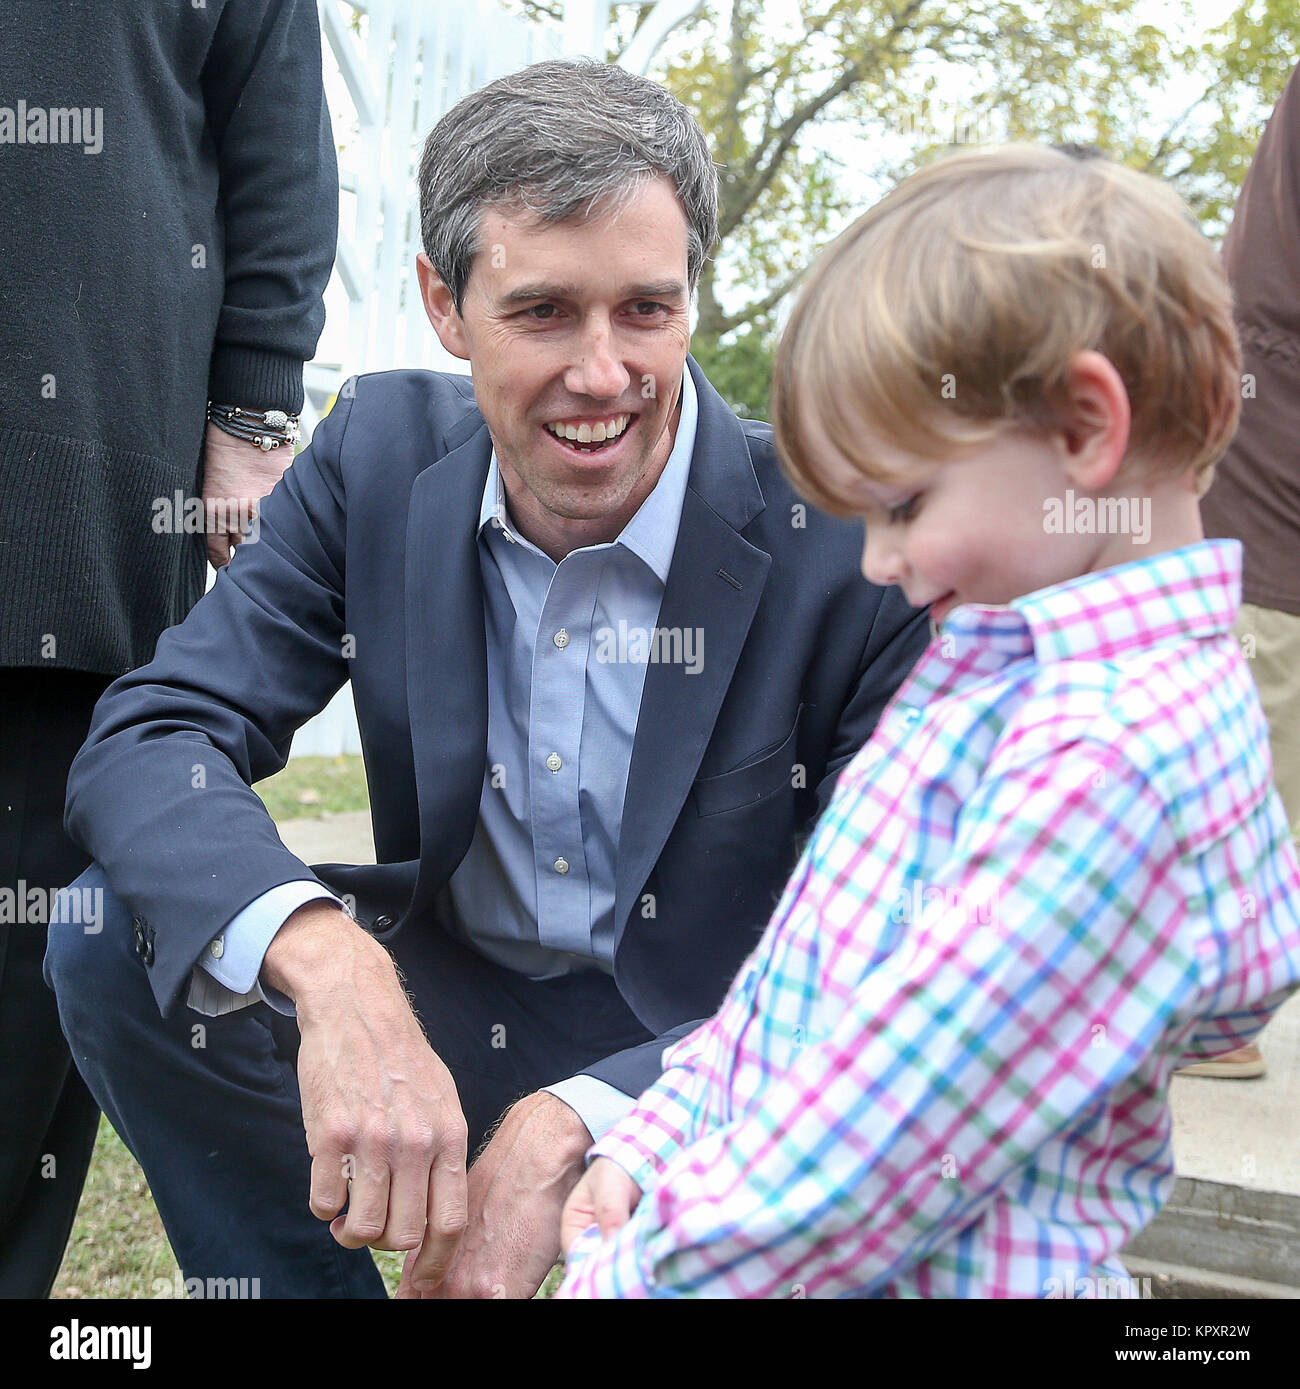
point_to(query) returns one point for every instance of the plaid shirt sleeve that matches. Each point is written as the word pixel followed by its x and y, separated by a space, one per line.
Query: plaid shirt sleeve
pixel 643 1142
pixel 953 1060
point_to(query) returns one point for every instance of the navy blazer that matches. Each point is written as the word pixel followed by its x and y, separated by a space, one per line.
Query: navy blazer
pixel 367 567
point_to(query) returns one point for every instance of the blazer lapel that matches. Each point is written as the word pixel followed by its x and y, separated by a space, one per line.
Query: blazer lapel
pixel 714 585
pixel 446 654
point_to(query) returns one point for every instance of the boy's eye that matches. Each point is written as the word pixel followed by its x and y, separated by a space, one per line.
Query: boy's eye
pixel 904 511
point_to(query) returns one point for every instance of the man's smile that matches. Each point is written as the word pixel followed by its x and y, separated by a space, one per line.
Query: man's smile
pixel 605 434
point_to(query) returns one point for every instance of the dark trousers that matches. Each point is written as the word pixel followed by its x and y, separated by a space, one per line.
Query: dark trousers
pixel 47 1116
pixel 211 1109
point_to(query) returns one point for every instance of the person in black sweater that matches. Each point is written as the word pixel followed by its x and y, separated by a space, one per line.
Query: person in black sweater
pixel 168 220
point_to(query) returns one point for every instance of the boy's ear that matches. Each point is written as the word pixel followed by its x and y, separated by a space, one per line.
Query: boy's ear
pixel 1095 421
pixel 441 308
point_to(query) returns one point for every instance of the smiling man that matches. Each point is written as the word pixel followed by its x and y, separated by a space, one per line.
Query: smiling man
pixel 578 844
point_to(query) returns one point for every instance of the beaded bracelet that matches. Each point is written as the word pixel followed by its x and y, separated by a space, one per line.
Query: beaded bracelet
pixel 266 429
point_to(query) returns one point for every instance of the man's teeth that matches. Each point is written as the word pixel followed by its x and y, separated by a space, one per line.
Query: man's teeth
pixel 586 433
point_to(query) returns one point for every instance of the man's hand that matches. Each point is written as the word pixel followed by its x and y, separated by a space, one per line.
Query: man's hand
pixel 236 476
pixel 517 1189
pixel 606 1196
pixel 380 1109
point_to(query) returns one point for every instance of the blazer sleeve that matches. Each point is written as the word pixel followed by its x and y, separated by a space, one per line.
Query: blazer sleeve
pixel 160 793
pixel 637 1068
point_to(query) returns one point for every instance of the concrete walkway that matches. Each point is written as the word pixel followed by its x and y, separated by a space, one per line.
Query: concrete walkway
pixel 1233 1226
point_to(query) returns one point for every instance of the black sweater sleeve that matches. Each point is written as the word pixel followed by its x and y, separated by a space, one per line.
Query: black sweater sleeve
pixel 267 116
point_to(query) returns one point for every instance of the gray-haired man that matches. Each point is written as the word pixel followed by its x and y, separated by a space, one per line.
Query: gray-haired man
pixel 606 668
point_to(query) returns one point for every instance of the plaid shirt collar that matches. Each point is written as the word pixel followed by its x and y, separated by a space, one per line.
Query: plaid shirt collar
pixel 1189 594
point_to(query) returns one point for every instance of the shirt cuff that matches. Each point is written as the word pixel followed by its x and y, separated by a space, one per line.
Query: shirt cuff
pixel 226 975
pixel 639 1161
pixel 599 1105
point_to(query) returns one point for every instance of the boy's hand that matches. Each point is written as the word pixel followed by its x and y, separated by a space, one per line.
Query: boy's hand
pixel 606 1196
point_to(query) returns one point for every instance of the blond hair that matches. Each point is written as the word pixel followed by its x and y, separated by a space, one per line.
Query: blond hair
pixel 952 309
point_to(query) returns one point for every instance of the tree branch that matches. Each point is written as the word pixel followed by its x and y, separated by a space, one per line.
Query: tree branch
pixel 726 322
pixel 762 167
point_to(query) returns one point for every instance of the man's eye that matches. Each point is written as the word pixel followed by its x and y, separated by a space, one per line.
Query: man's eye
pixel 904 511
pixel 541 312
pixel 646 307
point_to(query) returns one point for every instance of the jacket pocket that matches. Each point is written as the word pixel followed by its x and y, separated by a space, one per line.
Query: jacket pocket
pixel 751 782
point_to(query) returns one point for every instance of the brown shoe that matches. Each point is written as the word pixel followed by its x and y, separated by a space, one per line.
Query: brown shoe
pixel 1243 1064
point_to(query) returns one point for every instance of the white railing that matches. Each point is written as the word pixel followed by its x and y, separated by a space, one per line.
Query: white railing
pixel 394 67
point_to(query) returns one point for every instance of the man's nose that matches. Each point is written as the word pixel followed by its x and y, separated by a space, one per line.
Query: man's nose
pixel 882 557
pixel 599 372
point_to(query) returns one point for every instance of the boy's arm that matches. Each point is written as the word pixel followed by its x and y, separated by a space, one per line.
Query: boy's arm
pixel 955 1059
pixel 662 1120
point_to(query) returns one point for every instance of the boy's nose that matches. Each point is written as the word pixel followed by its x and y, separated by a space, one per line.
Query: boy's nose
pixel 882 558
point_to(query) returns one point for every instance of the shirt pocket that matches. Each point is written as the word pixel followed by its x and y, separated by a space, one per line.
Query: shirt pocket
pixel 755 780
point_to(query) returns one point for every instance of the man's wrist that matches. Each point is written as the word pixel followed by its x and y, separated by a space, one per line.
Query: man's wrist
pixel 317 940
pixel 568 1137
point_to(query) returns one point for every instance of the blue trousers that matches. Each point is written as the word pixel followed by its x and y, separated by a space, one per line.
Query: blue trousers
pixel 211 1110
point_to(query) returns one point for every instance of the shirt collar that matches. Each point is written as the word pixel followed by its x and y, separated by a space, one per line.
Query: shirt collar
pixel 1190 593
pixel 651 534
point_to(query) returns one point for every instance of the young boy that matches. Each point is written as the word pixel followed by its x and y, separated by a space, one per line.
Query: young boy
pixel 1059 868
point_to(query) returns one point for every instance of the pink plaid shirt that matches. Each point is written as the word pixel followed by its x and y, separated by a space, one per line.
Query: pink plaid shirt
pixel 1057 871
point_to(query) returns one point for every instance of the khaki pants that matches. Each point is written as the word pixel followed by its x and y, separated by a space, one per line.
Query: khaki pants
pixel 1270 641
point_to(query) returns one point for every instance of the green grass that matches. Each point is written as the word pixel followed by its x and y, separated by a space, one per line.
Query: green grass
pixel 118 1247
pixel 310 787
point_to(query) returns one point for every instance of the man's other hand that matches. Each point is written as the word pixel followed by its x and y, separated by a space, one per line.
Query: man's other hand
pixel 384 1124
pixel 517 1190
pixel 605 1197
pixel 236 476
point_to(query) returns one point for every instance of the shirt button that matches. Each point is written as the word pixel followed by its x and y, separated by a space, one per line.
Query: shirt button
pixel 561 865
pixel 561 639
pixel 217 949
pixel 554 762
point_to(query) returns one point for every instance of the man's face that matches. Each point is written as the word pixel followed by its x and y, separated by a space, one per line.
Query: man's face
pixel 578 328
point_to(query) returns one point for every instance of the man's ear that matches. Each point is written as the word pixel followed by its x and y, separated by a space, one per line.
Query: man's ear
pixel 441 308
pixel 1096 417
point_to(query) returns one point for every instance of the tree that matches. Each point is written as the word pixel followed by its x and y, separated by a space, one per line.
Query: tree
pixel 815 107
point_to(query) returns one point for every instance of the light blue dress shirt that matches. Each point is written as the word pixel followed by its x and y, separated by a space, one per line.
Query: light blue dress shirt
pixel 535 892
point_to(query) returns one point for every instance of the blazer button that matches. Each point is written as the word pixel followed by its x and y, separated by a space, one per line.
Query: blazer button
pixel 382 923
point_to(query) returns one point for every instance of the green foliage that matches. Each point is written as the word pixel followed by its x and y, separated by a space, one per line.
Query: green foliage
pixel 814 111
pixel 815 108
pixel 740 367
